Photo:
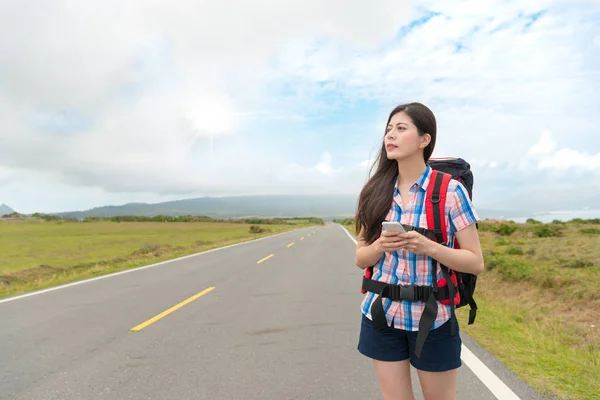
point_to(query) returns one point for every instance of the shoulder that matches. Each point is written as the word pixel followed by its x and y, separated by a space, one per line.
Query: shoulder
pixel 457 194
pixel 461 209
pixel 455 186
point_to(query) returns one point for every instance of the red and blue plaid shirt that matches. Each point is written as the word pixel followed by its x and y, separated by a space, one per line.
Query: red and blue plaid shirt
pixel 405 268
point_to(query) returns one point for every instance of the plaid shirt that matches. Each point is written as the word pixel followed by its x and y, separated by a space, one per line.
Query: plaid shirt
pixel 403 267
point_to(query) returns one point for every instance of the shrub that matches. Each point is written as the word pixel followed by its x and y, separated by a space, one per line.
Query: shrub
pixel 577 263
pixel 594 221
pixel 514 251
pixel 590 231
pixel 533 221
pixel 502 242
pixel 504 229
pixel 256 229
pixel 510 268
pixel 546 231
pixel 147 249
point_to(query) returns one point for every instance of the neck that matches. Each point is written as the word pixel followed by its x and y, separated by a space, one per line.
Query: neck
pixel 409 170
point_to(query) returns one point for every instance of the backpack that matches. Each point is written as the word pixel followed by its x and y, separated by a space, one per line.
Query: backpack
pixel 463 284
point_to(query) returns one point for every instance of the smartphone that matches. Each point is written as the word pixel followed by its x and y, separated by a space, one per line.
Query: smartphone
pixel 393 226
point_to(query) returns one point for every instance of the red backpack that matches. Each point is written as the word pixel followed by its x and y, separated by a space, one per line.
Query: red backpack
pixel 463 284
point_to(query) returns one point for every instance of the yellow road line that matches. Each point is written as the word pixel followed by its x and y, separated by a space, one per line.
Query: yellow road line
pixel 265 259
pixel 290 245
pixel 170 310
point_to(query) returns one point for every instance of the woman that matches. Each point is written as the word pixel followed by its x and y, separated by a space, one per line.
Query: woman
pixel 396 193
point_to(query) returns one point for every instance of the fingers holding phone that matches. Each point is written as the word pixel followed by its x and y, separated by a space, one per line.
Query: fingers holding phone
pixel 391 241
pixel 391 238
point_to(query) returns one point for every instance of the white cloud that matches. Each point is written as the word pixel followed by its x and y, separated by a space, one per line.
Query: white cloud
pixel 567 158
pixel 544 147
pixel 142 97
pixel 547 155
pixel 324 166
pixel 507 66
pixel 150 82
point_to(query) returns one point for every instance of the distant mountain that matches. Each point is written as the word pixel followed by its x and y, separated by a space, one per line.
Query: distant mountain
pixel 234 207
pixel 4 209
pixel 320 206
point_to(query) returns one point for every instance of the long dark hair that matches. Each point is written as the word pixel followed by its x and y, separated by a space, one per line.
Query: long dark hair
pixel 376 196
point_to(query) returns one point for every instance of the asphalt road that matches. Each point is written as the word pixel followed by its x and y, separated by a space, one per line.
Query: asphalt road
pixel 283 328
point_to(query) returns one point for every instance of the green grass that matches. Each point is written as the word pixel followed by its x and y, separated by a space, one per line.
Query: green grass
pixel 555 356
pixel 37 254
pixel 538 300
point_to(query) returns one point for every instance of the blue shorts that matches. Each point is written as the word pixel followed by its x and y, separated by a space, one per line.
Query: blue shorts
pixel 441 351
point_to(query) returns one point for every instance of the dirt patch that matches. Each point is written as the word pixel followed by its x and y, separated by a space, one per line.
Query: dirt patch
pixel 6 280
pixel 29 274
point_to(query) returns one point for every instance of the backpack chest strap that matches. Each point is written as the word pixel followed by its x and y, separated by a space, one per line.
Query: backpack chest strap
pixel 411 293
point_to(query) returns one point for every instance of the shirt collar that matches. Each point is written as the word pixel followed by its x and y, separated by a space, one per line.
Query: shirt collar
pixel 423 181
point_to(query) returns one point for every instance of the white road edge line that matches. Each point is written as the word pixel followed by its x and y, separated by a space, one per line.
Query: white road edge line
pixel 498 388
pixel 485 375
pixel 136 269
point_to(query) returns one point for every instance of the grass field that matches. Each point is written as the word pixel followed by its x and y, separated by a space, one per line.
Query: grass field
pixel 539 304
pixel 37 254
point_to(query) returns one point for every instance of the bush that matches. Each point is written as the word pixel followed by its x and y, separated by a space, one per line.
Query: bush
pixel 577 263
pixel 256 229
pixel 510 268
pixel 502 242
pixel 590 231
pixel 593 221
pixel 514 251
pixel 546 231
pixel 504 229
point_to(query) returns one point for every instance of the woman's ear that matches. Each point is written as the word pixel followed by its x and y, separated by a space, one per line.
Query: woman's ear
pixel 425 140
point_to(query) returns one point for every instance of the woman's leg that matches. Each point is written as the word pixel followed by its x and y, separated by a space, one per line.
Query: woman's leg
pixel 394 380
pixel 438 385
pixel 439 362
pixel 390 354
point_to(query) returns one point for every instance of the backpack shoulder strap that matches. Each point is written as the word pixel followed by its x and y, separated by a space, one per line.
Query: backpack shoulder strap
pixel 436 204
pixel 437 192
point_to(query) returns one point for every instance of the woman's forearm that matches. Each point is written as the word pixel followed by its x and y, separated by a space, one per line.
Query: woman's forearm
pixel 460 260
pixel 368 255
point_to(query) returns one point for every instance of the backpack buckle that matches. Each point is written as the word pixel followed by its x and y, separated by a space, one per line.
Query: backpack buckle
pixel 435 198
pixel 408 293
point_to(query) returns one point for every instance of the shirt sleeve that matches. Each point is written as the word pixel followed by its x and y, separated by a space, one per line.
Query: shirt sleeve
pixel 462 212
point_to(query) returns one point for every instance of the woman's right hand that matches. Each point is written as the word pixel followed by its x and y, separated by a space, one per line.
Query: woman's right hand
pixel 390 241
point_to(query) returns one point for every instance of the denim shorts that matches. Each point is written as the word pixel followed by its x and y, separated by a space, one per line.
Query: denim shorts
pixel 441 351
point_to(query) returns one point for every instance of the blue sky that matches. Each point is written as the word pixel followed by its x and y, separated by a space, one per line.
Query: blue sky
pixel 144 102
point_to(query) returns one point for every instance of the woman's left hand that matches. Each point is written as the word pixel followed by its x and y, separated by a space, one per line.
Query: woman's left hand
pixel 416 243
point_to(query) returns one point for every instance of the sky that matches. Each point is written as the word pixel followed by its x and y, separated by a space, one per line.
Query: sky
pixel 143 101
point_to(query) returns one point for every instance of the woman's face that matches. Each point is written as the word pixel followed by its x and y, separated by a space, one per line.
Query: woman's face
pixel 402 138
